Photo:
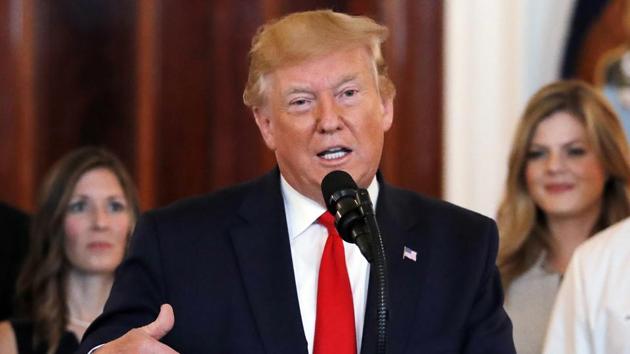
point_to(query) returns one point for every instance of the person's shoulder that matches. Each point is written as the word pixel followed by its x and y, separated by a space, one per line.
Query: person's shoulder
pixel 613 241
pixel 439 220
pixel 13 218
pixel 5 329
pixel 217 205
pixel 436 209
pixel 10 213
pixel 8 344
pixel 615 238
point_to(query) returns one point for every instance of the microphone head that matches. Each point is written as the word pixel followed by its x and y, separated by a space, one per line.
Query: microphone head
pixel 334 182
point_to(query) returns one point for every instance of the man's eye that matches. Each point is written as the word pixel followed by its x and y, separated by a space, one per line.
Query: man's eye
pixel 350 93
pixel 298 102
pixel 77 207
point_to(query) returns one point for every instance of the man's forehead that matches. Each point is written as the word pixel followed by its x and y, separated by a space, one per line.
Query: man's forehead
pixel 299 85
pixel 326 71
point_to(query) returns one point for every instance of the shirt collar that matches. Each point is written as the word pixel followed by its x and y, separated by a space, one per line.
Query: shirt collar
pixel 302 212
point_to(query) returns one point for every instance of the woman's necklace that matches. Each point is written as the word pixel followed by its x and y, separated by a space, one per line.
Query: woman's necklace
pixel 79 323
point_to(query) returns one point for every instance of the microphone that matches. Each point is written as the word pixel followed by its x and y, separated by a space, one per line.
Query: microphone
pixel 356 222
pixel 346 202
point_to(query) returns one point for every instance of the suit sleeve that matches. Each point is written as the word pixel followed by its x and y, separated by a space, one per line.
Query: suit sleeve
pixel 489 327
pixel 137 293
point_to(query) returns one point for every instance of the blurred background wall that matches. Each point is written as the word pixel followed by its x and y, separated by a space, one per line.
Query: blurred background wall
pixel 498 54
pixel 159 82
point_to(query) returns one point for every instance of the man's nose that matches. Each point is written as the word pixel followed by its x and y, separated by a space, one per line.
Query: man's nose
pixel 328 114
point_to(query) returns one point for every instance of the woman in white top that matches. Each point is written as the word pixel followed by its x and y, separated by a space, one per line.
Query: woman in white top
pixel 592 310
pixel 568 178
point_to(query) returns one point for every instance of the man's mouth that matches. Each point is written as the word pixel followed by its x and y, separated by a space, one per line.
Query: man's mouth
pixel 334 153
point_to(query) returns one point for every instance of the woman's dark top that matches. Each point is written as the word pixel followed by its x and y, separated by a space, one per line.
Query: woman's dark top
pixel 24 337
pixel 13 249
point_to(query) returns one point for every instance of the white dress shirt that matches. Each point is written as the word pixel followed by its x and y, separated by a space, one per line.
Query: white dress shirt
pixel 307 238
pixel 592 310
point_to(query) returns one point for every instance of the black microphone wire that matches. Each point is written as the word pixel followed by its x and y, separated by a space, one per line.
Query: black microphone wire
pixel 380 265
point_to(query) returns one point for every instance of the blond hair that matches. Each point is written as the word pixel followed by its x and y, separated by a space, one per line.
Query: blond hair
pixel 522 225
pixel 298 37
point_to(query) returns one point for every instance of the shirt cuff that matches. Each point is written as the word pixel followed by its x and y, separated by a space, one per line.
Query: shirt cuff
pixel 95 349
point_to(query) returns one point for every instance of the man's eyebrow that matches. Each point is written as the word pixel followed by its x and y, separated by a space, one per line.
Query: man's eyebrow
pixel 303 89
pixel 345 79
pixel 294 90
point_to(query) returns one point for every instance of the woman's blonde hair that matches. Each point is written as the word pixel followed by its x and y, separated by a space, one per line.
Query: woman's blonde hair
pixel 305 35
pixel 522 225
pixel 41 284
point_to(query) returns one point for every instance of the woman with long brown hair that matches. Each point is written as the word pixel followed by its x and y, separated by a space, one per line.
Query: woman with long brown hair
pixel 79 234
pixel 568 178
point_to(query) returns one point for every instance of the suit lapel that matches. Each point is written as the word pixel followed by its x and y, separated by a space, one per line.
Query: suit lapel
pixel 261 243
pixel 405 276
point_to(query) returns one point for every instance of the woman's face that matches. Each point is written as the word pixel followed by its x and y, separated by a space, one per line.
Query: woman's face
pixel 97 223
pixel 564 176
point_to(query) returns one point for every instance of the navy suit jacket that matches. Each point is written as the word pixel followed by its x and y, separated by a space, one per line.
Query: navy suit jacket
pixel 224 263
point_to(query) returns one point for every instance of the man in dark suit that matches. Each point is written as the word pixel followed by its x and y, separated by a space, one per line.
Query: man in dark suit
pixel 239 271
pixel 13 247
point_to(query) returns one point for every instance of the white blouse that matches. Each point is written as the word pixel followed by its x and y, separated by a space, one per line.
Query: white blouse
pixel 592 311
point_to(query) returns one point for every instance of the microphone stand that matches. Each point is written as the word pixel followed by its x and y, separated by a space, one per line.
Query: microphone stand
pixel 365 206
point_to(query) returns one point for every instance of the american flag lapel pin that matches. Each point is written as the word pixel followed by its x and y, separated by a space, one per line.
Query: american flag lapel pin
pixel 409 254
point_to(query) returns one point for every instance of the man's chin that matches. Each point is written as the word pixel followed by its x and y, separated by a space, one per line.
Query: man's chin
pixel 362 179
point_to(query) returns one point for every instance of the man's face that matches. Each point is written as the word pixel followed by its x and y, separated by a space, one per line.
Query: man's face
pixel 325 114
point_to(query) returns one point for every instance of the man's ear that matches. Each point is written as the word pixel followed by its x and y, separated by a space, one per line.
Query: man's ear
pixel 387 106
pixel 265 125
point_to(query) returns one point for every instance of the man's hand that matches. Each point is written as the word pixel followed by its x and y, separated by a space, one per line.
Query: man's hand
pixel 144 339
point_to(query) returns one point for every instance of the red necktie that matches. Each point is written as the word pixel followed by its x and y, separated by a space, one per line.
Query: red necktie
pixel 334 323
